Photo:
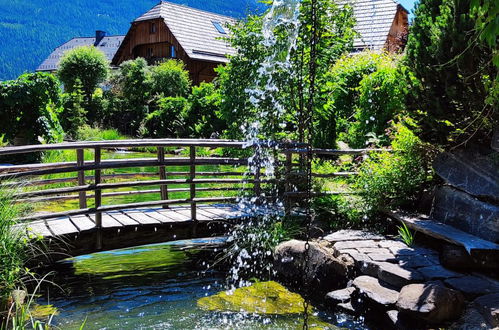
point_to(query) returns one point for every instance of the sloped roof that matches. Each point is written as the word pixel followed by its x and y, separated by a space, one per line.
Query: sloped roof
pixel 194 30
pixel 374 20
pixel 108 45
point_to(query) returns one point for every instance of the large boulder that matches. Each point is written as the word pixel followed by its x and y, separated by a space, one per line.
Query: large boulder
pixel 431 302
pixel 488 306
pixel 324 271
pixel 470 171
pixel 462 211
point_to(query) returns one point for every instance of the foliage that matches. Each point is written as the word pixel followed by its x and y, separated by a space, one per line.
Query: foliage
pixel 129 95
pixel 450 74
pixel 203 117
pixel 169 119
pixel 391 179
pixel 405 234
pixel 30 106
pixel 73 115
pixel 84 68
pixel 364 92
pixel 88 133
pixel 170 79
pixel 335 26
pixel 14 244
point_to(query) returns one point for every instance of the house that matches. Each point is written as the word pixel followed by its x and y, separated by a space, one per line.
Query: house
pixel 175 31
pixel 108 44
pixel 381 24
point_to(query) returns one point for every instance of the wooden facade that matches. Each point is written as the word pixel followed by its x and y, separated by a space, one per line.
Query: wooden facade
pixel 153 41
pixel 397 37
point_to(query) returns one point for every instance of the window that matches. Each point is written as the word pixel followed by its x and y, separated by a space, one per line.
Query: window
pixel 149 52
pixel 152 28
pixel 173 53
pixel 219 27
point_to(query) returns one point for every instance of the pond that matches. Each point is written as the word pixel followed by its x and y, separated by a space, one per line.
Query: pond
pixel 155 287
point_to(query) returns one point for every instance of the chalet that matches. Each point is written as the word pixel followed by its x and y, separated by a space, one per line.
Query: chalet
pixel 175 31
pixel 381 25
pixel 107 44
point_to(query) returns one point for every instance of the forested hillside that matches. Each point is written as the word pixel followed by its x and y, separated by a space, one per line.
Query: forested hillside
pixel 30 30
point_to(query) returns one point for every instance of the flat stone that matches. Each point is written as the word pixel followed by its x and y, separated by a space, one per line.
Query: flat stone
pixel 346 307
pixel 471 320
pixel 375 291
pixel 472 286
pixel 351 235
pixel 396 275
pixel 355 244
pixel 388 257
pixel 410 251
pixel 340 296
pixel 437 272
pixel 393 244
pixel 430 302
pixel 373 250
pixel 417 261
pixel 465 212
pixel 456 257
pixel 488 306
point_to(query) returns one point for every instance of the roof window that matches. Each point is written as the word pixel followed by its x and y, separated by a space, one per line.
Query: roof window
pixel 219 27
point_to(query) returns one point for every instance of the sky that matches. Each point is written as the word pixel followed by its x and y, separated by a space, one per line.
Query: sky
pixel 409 5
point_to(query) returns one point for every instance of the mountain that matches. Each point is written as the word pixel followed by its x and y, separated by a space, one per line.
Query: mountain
pixel 31 29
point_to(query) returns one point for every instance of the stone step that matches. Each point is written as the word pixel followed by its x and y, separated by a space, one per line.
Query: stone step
pixel 375 291
pixel 480 249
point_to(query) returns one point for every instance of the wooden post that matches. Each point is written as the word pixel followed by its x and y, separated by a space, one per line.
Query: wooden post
pixel 256 185
pixel 162 175
pixel 80 161
pixel 288 186
pixel 98 199
pixel 193 185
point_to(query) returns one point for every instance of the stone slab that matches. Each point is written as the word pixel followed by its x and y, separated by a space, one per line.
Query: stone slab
pixel 437 272
pixel 472 286
pixel 355 244
pixel 340 296
pixel 392 274
pixel 351 235
pixel 373 250
pixel 373 289
pixel 417 261
pixel 388 257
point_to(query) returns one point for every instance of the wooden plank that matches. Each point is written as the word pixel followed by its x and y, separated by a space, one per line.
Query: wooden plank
pixel 62 226
pixel 142 218
pixel 107 221
pixel 80 161
pixel 175 216
pixel 162 174
pixel 82 222
pixel 192 176
pixel 123 218
pixel 187 212
pixel 202 213
pixel 153 213
pixel 221 213
pixel 445 232
pixel 39 227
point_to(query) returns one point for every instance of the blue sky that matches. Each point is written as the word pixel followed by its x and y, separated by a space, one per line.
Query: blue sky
pixel 408 4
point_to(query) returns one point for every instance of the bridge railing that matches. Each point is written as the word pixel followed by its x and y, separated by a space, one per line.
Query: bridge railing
pixel 90 182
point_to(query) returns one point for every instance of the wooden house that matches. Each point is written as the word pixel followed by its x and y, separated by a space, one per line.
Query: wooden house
pixel 107 44
pixel 175 31
pixel 381 25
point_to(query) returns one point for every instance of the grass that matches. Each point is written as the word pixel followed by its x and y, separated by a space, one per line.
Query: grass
pixel 405 234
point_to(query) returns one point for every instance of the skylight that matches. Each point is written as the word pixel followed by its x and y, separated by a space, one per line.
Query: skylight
pixel 219 27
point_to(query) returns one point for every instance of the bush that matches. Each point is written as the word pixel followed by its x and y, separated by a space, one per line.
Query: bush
pixel 73 115
pixel 170 79
pixel 29 109
pixel 364 93
pixel 393 179
pixel 168 121
pixel 203 118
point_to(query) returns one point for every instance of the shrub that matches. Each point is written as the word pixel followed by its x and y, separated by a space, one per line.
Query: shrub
pixel 170 79
pixel 392 179
pixel 73 115
pixel 364 93
pixel 168 120
pixel 203 118
pixel 84 67
pixel 29 108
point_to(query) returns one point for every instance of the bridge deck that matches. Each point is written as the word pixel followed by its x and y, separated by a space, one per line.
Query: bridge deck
pixel 74 225
pixel 77 235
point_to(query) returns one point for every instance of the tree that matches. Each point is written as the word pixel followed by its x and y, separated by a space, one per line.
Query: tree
pixel 30 107
pixel 203 117
pixel 84 67
pixel 450 73
pixel 170 79
pixel 73 115
pixel 168 121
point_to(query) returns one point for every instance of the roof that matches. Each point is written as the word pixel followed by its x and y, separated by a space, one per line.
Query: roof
pixel 109 45
pixel 194 30
pixel 374 20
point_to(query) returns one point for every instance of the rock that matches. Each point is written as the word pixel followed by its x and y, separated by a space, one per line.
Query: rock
pixel 472 286
pixel 355 244
pixel 456 257
pixel 347 308
pixel 430 302
pixel 340 296
pixel 471 320
pixel 388 257
pixel 488 306
pixel 472 172
pixel 417 261
pixel 351 235
pixel 372 289
pixel 464 212
pixel 262 298
pixel 325 271
pixel 437 272
pixel 390 273
pixel 374 250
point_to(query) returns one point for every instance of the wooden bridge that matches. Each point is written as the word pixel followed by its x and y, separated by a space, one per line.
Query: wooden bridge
pixel 168 213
